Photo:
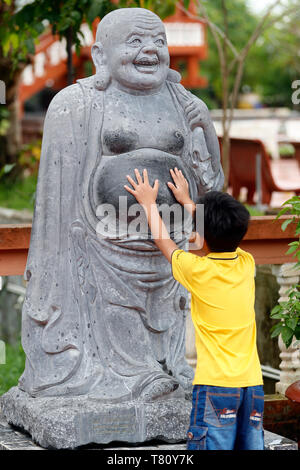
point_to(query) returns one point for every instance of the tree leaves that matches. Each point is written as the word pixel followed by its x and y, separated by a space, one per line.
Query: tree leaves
pixel 287 335
pixel 294 246
pixel 97 8
pixel 276 330
pixel 285 224
pixel 288 312
pixel 6 169
pixel 162 8
pixel 297 332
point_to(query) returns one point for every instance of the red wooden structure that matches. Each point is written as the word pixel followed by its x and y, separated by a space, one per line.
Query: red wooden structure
pixel 49 66
pixel 264 239
pixel 187 44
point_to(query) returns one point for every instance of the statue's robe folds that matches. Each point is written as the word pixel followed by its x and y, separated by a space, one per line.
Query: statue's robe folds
pixel 99 317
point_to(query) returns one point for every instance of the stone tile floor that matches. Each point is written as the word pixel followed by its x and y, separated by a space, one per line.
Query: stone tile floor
pixel 12 439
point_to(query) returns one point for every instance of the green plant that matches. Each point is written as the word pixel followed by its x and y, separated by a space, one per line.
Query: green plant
pixel 286 150
pixel 29 157
pixel 288 312
pixel 6 169
pixel 254 212
pixel 4 121
pixel 11 371
pixel 19 195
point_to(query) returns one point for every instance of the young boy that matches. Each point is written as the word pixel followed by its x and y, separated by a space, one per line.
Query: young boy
pixel 228 397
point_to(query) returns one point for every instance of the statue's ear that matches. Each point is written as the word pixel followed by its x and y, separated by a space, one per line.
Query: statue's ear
pixel 102 77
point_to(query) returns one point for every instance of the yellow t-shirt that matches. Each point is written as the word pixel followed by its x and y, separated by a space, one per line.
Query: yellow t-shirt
pixel 222 307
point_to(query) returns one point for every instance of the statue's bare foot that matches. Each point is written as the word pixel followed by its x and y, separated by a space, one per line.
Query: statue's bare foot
pixel 162 389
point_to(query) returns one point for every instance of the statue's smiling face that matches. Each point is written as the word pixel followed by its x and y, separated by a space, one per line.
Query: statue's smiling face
pixel 137 53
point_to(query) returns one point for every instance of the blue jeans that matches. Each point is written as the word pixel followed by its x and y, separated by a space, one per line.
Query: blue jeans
pixel 225 418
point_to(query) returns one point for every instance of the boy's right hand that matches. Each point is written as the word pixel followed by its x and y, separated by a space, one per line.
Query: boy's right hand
pixel 181 187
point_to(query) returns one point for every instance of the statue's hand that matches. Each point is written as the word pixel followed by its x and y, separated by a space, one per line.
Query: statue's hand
pixel 197 114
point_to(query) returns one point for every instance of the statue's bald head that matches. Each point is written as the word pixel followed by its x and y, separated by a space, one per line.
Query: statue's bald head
pixel 131 48
pixel 108 26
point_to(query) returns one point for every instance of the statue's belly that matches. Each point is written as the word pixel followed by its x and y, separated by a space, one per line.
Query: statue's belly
pixel 110 177
pixel 108 189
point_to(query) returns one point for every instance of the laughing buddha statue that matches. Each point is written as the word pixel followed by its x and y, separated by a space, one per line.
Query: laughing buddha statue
pixel 103 315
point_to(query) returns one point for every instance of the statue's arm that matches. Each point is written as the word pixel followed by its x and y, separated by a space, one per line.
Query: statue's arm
pixel 198 114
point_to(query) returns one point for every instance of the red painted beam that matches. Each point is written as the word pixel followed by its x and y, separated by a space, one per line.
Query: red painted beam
pixel 264 240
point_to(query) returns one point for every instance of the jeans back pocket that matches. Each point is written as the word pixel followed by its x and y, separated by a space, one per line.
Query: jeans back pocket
pixel 221 408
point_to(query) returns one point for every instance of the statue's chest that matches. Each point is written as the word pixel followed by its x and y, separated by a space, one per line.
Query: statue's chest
pixel 135 122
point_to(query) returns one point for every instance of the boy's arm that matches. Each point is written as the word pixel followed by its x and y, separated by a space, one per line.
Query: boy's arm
pixel 146 196
pixel 159 232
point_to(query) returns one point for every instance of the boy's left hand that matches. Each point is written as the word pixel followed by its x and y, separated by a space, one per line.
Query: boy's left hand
pixel 144 193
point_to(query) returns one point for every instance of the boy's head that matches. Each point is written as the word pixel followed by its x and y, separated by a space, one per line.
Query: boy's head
pixel 225 221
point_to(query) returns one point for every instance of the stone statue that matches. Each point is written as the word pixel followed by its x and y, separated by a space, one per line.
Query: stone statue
pixel 103 318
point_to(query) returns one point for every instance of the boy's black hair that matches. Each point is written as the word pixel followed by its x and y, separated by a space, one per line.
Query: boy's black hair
pixel 225 221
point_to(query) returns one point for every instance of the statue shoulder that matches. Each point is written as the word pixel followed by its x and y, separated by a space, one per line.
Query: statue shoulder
pixel 67 99
pixel 173 76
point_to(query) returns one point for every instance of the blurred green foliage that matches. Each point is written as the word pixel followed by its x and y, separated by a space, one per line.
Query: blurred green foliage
pixel 21 28
pixel 272 64
pixel 286 150
pixel 19 194
pixel 253 211
pixel 14 367
pixel 4 121
pixel 273 61
pixel 163 8
pixel 29 157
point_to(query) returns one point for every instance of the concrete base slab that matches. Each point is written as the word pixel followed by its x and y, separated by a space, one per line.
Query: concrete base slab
pixel 70 422
pixel 15 438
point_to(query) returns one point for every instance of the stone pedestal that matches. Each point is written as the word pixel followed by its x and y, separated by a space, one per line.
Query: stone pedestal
pixel 70 422
pixel 13 439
